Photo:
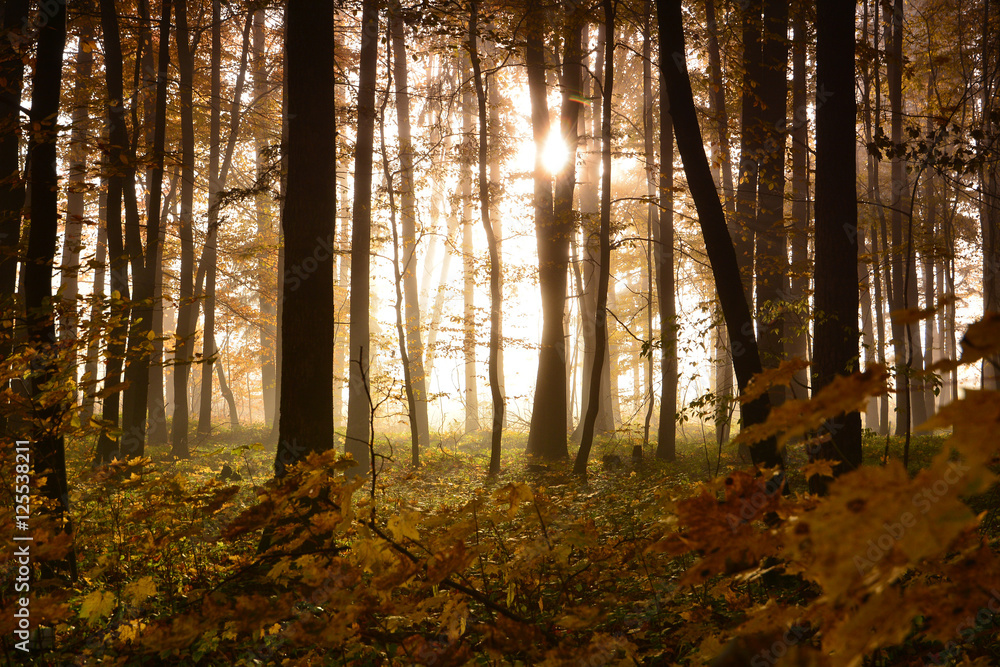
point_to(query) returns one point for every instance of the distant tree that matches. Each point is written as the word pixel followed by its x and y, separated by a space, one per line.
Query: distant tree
pixel 601 316
pixel 358 411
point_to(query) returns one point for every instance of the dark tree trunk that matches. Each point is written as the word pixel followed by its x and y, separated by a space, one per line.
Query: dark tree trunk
pixel 48 442
pixel 554 221
pixel 721 253
pixel 771 245
pixel 358 412
pixel 11 184
pixel 143 268
pixel 835 348
pixel 186 311
pixel 310 208
pixel 751 144
pixel 666 436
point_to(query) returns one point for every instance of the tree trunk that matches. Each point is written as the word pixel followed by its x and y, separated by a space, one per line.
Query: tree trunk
pixel 491 242
pixel 601 318
pixel 358 411
pixel 155 404
pixel 752 150
pixel 134 401
pixel 468 267
pixel 408 209
pixel 210 254
pixel 771 245
pixel 554 220
pixel 835 349
pixel 12 194
pixel 48 442
pixel 711 217
pixel 589 223
pixel 265 225
pixel 186 306
pixel 310 207
pixel 75 203
pixel 797 321
pixel 97 301
pixel 666 435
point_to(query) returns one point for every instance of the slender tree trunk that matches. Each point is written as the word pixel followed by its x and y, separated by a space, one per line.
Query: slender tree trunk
pixel 408 209
pixel 468 265
pixel 97 300
pixel 666 436
pixel 155 404
pixel 358 412
pixel 797 321
pixel 265 225
pixel 186 307
pixel 491 242
pixel 75 202
pixel 721 252
pixel 589 215
pixel 309 213
pixel 601 318
pixel 836 348
pixel 48 443
pixel 210 255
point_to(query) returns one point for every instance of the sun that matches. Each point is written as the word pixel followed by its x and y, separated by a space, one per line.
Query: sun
pixel 554 153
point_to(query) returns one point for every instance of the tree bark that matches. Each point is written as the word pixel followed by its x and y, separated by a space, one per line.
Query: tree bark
pixel 771 244
pixel 835 349
pixel 12 193
pixel 310 206
pixel 797 321
pixel 468 264
pixel 186 311
pixel 48 441
pixel 751 144
pixel 666 434
pixel 554 220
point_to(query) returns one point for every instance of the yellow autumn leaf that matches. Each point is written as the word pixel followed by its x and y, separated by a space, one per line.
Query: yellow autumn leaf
pixel 97 605
pixel 138 591
pixel 773 377
pixel 404 525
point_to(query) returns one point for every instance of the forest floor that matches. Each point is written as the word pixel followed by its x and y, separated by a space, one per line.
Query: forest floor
pixel 534 567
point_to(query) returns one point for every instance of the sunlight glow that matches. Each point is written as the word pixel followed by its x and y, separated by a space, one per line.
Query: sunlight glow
pixel 554 154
